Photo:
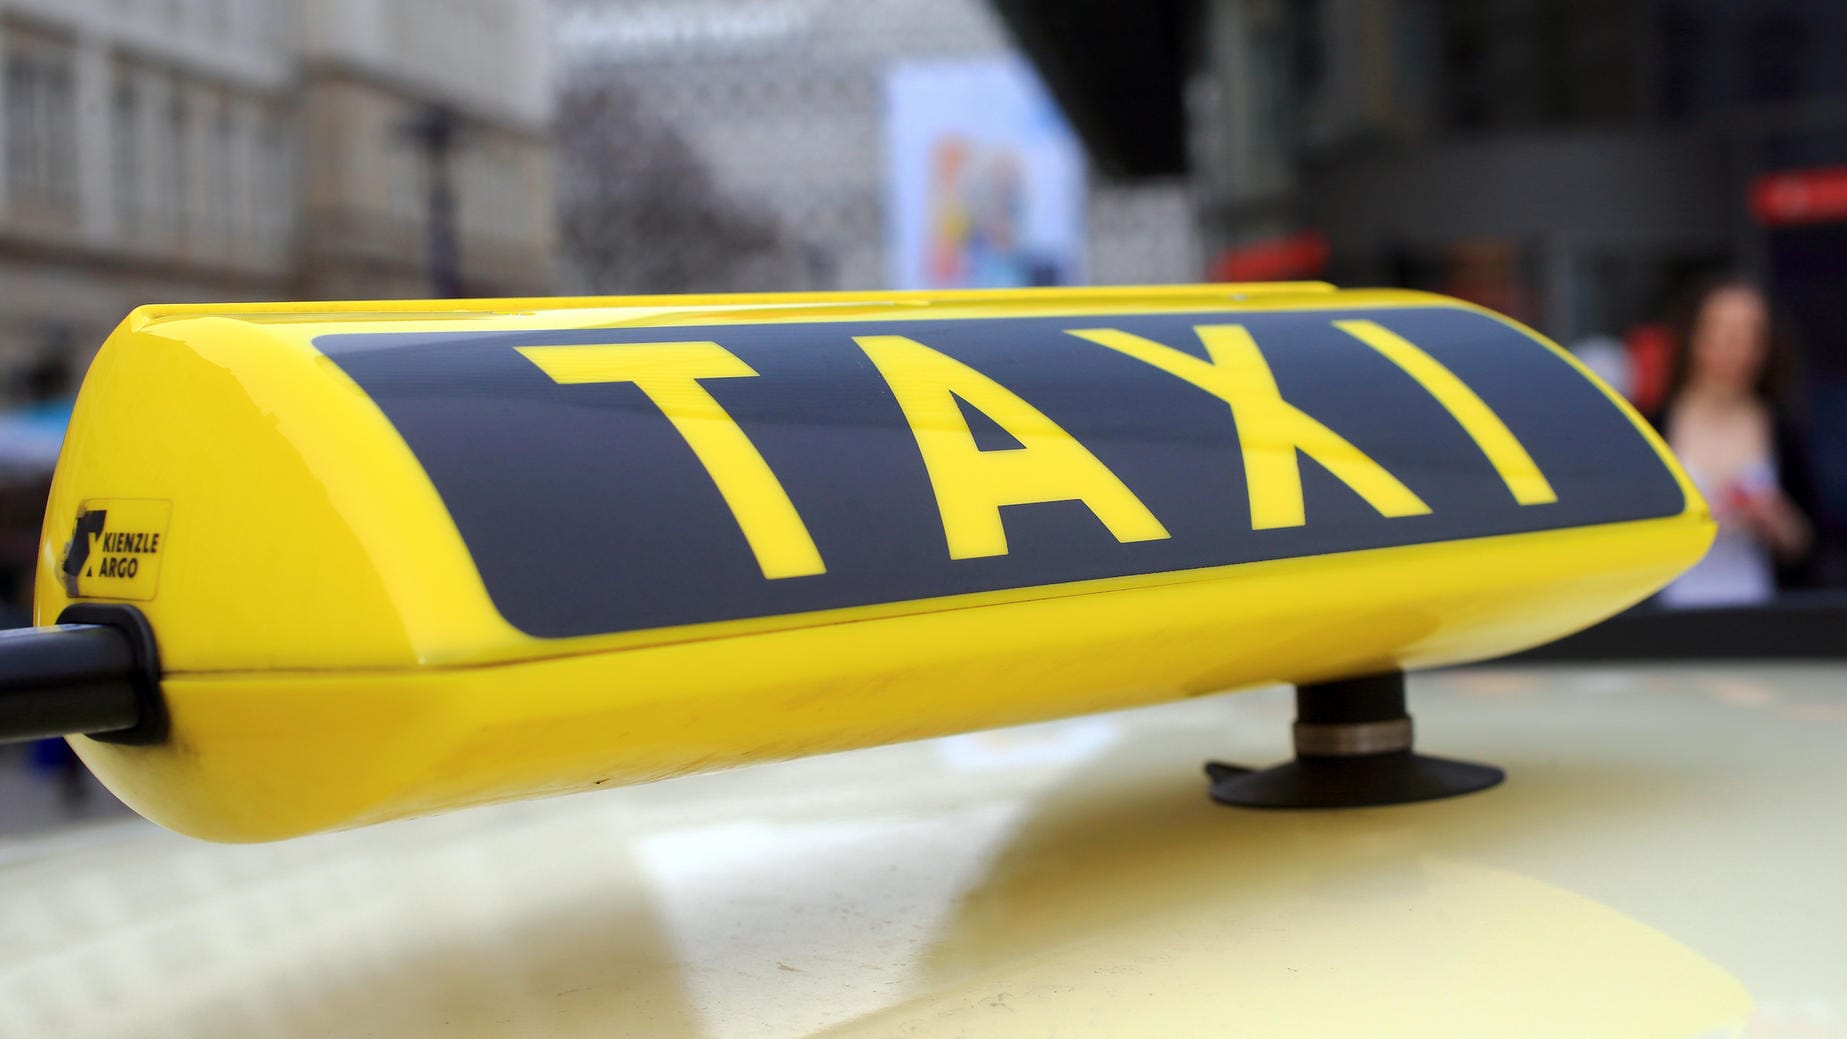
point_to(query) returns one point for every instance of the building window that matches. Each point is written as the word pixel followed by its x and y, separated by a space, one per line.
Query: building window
pixel 125 145
pixel 275 29
pixel 41 151
pixel 221 180
pixel 274 194
pixel 177 156
pixel 218 18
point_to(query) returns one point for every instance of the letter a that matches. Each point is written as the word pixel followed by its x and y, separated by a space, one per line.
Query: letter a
pixel 971 484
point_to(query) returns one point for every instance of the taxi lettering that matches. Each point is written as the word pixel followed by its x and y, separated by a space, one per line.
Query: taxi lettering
pixel 971 485
pixel 637 476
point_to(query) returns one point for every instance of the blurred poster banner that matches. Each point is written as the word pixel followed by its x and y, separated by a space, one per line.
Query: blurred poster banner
pixel 985 180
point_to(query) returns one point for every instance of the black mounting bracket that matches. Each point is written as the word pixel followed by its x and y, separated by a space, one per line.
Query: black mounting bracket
pixel 142 676
pixel 1353 749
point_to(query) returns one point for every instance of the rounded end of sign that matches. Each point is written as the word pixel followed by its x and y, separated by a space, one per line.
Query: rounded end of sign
pixel 1398 777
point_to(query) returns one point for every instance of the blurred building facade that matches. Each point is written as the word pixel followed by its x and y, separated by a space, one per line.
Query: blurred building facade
pixel 370 72
pixel 744 145
pixel 142 162
pixel 186 150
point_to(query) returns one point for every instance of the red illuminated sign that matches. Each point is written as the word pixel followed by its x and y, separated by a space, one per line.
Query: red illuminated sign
pixel 1800 196
pixel 1303 255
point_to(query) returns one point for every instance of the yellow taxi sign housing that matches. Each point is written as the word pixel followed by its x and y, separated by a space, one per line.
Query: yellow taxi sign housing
pixel 417 555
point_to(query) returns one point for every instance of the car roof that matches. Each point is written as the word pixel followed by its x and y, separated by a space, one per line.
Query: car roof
pixel 1664 858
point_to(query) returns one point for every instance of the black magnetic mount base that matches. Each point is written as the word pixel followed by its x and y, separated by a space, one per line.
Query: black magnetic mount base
pixel 1353 750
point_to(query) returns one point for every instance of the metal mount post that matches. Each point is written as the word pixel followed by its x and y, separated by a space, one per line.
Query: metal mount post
pixel 1353 749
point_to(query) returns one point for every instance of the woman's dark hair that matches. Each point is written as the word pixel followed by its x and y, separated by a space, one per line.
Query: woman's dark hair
pixel 1776 379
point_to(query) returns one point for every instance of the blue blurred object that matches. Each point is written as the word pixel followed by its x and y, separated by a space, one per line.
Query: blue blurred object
pixel 30 436
pixel 52 756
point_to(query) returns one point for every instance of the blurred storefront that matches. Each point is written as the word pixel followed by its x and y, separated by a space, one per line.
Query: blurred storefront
pixel 1576 164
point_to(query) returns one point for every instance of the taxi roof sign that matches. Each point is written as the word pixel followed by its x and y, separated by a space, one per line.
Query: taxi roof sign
pixel 416 555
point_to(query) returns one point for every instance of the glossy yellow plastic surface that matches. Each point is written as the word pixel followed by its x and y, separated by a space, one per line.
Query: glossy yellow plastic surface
pixel 333 658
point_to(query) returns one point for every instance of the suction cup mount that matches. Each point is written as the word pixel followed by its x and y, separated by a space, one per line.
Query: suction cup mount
pixel 1353 749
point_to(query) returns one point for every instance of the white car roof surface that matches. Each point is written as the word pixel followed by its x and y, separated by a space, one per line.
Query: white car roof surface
pixel 1666 858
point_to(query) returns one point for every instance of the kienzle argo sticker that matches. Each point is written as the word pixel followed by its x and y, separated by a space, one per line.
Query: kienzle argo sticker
pixel 115 548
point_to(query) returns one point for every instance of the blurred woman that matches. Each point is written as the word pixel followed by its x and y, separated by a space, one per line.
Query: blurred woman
pixel 1728 416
